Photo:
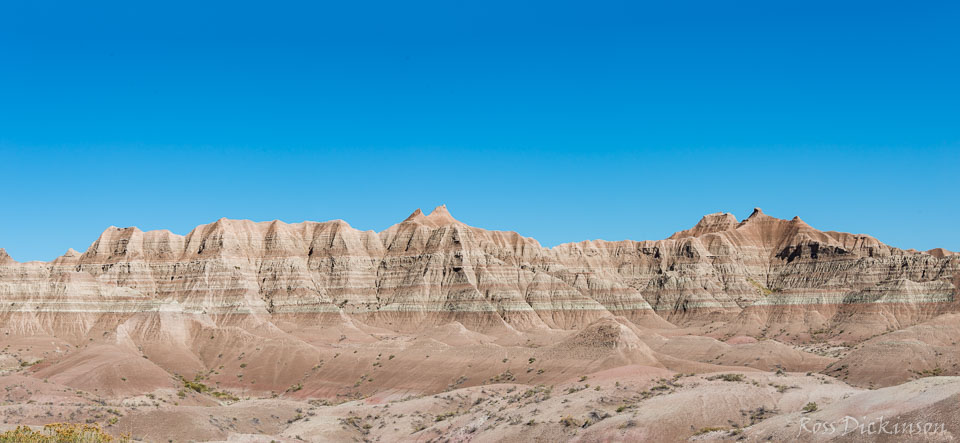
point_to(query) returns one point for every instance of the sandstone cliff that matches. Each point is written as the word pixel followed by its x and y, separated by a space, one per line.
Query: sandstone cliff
pixel 762 276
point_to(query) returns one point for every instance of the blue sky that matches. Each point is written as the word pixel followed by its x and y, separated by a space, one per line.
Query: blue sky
pixel 563 121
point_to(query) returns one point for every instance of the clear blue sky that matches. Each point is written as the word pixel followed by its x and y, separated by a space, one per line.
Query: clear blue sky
pixel 563 121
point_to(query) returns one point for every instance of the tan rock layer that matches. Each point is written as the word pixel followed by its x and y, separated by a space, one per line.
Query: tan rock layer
pixel 431 269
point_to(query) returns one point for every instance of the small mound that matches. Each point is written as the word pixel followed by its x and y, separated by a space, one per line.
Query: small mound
pixel 455 334
pixel 610 342
pixel 927 349
pixel 108 370
pixel 606 333
pixel 741 340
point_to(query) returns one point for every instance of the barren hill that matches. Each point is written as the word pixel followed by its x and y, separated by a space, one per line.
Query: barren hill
pixel 239 309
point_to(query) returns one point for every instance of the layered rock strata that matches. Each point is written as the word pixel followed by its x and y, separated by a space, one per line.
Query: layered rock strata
pixel 763 275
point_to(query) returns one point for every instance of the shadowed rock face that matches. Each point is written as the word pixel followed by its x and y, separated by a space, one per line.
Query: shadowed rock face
pixel 758 274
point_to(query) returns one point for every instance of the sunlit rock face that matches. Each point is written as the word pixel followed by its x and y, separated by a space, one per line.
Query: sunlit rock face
pixel 755 274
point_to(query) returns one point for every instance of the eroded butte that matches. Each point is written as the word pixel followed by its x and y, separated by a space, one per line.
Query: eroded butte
pixel 432 330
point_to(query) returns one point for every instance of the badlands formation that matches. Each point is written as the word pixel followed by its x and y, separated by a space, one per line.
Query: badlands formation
pixel 432 330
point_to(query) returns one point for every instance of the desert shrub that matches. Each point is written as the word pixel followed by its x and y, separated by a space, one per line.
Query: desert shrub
pixel 727 377
pixel 709 429
pixel 759 414
pixel 220 395
pixel 444 416
pixel 504 377
pixel 781 388
pixel 61 433
pixel 810 407
pixel 195 385
pixel 935 372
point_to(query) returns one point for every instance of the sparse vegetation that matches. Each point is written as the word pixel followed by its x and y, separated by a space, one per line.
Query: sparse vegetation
pixel 810 407
pixel 763 290
pixel 569 421
pixel 27 364
pixel 444 416
pixel 781 388
pixel 504 377
pixel 759 414
pixel 935 372
pixel 197 386
pixel 709 429
pixel 61 433
pixel 727 377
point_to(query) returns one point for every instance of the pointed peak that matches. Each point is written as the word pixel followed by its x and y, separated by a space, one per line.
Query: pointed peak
pixel 221 222
pixel 115 232
pixel 710 223
pixel 757 214
pixel 798 221
pixel 69 257
pixel 440 210
pixel 6 259
pixel 724 217
pixel 417 215
pixel 440 216
pixel 338 222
